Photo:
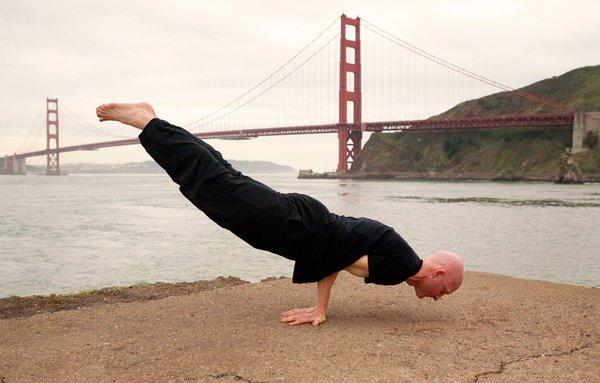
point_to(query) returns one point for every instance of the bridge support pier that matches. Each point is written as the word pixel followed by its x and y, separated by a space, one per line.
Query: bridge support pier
pixel 583 123
pixel 4 165
pixel 578 132
pixel 12 165
pixel 19 166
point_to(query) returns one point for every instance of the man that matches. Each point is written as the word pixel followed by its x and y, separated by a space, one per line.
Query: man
pixel 292 225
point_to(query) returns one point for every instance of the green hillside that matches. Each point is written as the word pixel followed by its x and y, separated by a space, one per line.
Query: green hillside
pixel 579 89
pixel 498 154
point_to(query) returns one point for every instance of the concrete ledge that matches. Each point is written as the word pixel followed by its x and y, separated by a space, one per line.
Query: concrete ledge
pixel 494 329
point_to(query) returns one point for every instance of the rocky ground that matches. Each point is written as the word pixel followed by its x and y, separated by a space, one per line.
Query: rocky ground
pixel 494 329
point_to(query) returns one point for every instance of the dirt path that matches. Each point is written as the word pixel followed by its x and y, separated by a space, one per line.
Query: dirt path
pixel 495 329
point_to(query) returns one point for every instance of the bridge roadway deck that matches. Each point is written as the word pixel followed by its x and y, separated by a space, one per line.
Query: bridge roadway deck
pixel 521 121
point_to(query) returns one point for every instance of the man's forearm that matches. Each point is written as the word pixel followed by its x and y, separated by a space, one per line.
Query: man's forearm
pixel 323 292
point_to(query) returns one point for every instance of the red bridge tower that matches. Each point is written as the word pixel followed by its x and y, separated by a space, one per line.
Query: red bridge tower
pixel 349 142
pixel 52 154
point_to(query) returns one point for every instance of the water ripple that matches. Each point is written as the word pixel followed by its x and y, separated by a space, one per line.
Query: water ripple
pixel 549 202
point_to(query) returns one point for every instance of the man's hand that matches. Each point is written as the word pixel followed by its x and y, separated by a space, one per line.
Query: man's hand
pixel 307 315
pixel 314 315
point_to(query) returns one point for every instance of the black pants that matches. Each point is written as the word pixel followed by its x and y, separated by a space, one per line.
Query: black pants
pixel 261 216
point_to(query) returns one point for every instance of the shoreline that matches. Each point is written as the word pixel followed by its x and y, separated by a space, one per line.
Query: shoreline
pixel 495 328
pixel 432 176
pixel 395 176
pixel 15 306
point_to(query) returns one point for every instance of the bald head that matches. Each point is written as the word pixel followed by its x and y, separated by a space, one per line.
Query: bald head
pixel 441 274
pixel 451 263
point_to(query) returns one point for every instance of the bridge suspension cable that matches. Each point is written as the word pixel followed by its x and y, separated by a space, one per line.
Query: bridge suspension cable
pixel 35 123
pixel 272 85
pixel 255 92
pixel 39 131
pixel 72 116
pixel 413 48
pixel 266 78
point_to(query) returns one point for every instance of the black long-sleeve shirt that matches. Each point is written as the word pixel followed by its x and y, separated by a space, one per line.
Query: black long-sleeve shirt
pixel 295 226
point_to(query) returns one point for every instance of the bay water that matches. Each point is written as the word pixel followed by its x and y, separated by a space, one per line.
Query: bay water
pixel 64 234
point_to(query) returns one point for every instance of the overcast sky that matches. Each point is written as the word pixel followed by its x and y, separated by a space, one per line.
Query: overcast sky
pixel 190 57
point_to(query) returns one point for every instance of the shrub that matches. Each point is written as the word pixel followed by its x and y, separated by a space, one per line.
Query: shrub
pixel 88 291
pixel 452 145
pixel 590 140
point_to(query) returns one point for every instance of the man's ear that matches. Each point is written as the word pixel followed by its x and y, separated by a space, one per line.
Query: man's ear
pixel 439 272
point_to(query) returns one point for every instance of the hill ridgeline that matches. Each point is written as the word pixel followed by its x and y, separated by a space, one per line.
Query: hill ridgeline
pixel 146 167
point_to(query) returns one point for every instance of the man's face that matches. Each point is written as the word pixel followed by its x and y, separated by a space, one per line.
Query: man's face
pixel 433 287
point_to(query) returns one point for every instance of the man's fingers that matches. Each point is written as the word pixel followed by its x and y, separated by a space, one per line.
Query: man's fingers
pixel 298 311
pixel 297 322
pixel 298 316
pixel 293 317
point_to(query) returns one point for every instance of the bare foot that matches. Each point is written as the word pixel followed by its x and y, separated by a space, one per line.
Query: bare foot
pixel 136 115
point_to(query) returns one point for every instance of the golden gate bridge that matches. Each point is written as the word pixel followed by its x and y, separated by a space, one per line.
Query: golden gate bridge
pixel 352 78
